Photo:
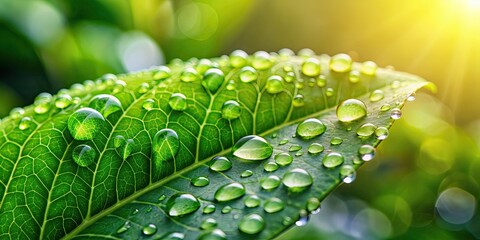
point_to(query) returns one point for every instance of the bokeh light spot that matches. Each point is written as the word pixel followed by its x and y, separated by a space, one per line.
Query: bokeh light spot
pixel 197 21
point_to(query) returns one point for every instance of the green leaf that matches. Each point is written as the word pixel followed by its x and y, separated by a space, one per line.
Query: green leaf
pixel 152 174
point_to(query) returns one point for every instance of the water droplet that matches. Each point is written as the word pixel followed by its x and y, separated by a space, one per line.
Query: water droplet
pixel 17 112
pixel 275 84
pixel 213 79
pixel 366 130
pixel 273 205
pixel 381 133
pixel 124 227
pixel 366 152
pixel 173 236
pixel 329 92
pixel 149 230
pixel 298 101
pixel 283 142
pixel 336 141
pixel 341 63
pixel 270 167
pixel 303 220
pixel 315 148
pixel 203 65
pixel 321 81
pixel 231 110
pixel 395 84
pixel 85 124
pixel 189 75
pixel 251 201
pixel 283 159
pixel 262 60
pixel 289 77
pixel 251 224
pixel 246 174
pixel 200 181
pixel 252 147
pixel 210 208
pixel 105 104
pixel 270 182
pixel 161 73
pixel 348 173
pixel 297 180
pixel 208 223
pixel 310 128
pixel 25 123
pixel 369 68
pixel 396 113
pixel 286 221
pixel 215 234
pixel 248 74
pixel 143 88
pixel 229 192
pixel 332 160
pixel 294 148
pixel 299 153
pixel 411 97
pixel 42 105
pixel 148 104
pixel 119 86
pixel 63 101
pixel 306 52
pixel 350 110
pixel 231 85
pixel 385 107
pixel 83 155
pixel 220 164
pixel 286 52
pixel 311 67
pixel 238 58
pixel 165 146
pixel 354 76
pixel 182 204
pixel 135 211
pixel 178 102
pixel 376 95
pixel 313 205
pixel 226 209
pixel 124 147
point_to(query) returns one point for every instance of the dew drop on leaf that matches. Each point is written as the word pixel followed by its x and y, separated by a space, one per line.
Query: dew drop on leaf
pixel 17 112
pixel 336 141
pixel 210 208
pixel 310 128
pixel 411 97
pixel 182 204
pixel 315 148
pixel 366 130
pixel 238 58
pixel 286 52
pixel 251 201
pixel 252 147
pixel 369 68
pixel 123 228
pixel 273 205
pixel 396 113
pixel 298 101
pixel 381 133
pixel 161 73
pixel 283 159
pixel 213 79
pixel 105 104
pixel 311 67
pixel 354 76
pixel 200 181
pixel 313 205
pixel 303 220
pixel 376 95
pixel 289 77
pixel 329 92
pixel 165 145
pixel 251 224
pixel 248 74
pixel 149 230
pixel 321 81
pixel 42 107
pixel 119 86
pixel 283 142
pixel 270 166
pixel 262 60
pixel 366 152
pixel 83 155
pixel 294 148
pixel 209 223
pixel 203 65
pixel 341 63
pixel 350 110
pixel 178 102
pixel 299 153
pixel 332 160
pixel 297 180
pixel 173 236
pixel 246 174
pixel 148 104
pixel 189 75
pixel 63 101
pixel 275 84
pixel 231 110
pixel 220 164
pixel 347 173
pixel 143 88
pixel 385 107
pixel 85 123
pixel 124 147
pixel 229 192
pixel 215 234
pixel 226 209
pixel 25 123
pixel 270 182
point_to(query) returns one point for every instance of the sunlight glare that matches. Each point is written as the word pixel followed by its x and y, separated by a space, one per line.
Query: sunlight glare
pixel 474 4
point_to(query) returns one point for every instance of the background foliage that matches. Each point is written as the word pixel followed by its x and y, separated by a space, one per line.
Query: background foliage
pixel 424 182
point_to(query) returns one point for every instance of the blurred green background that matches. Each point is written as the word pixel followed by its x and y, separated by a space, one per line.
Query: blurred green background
pixel 424 182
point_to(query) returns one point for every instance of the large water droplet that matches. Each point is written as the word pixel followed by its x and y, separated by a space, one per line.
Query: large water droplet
pixel 350 110
pixel 149 230
pixel 63 101
pixel 178 102
pixel 315 148
pixel 208 223
pixel 238 58
pixel 273 205
pixel 396 113
pixel 341 63
pixel 182 204
pixel 275 84
pixel 229 192
pixel 248 74
pixel 366 152
pixel 213 79
pixel 270 182
pixel 376 95
pixel 332 160
pixel 262 60
pixel 297 180
pixel 189 75
pixel 251 224
pixel 231 110
pixel 220 164
pixel 252 147
pixel 381 133
pixel 105 104
pixel 83 155
pixel 43 102
pixel 251 201
pixel 369 68
pixel 366 130
pixel 85 124
pixel 200 181
pixel 25 123
pixel 310 128
pixel 283 159
pixel 165 146
pixel 311 67
pixel 215 234
pixel 348 173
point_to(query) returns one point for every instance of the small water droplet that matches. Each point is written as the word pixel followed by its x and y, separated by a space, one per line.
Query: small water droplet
pixel 275 84
pixel 178 102
pixel 220 164
pixel 376 95
pixel 246 174
pixel 63 101
pixel 149 230
pixel 17 112
pixel 85 124
pixel 381 133
pixel 42 103
pixel 213 79
pixel 262 60
pixel 226 209
pixel 83 155
pixel 366 152
pixel 298 101
pixel 303 220
pixel 283 159
pixel 231 110
pixel 252 147
pixel 286 52
pixel 289 77
pixel 200 181
pixel 294 148
pixel 311 67
pixel 165 146
pixel 123 228
pixel 411 97
pixel 173 236
pixel 354 76
pixel 229 192
pixel 231 85
pixel 341 63
pixel 215 234
pixel 135 211
pixel 25 123
pixel 297 180
pixel 310 128
pixel 148 104
pixel 286 221
pixel 336 141
pixel 385 107
pixel 329 92
pixel 283 141
pixel 369 68
pixel 189 75
pixel 321 81
pixel 273 205
pixel 124 147
pixel 162 197
pixel 203 65
pixel 270 167
pixel 332 160
pixel 366 130
pixel 143 88
pixel 208 223
pixel 306 52
pixel 299 153
pixel 210 208
pixel 248 74
pixel 251 224
pixel 313 205
pixel 396 113
pixel 105 104
pixel 350 110
pixel 315 148
pixel 238 58
pixel 161 73
pixel 348 173
pixel 395 84
pixel 251 201
pixel 182 204
pixel 119 86
pixel 270 182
